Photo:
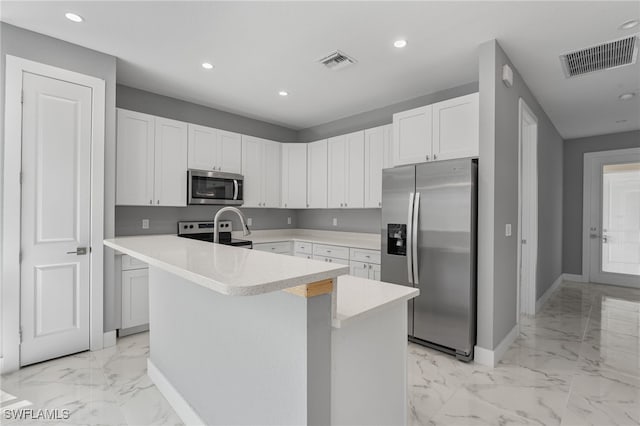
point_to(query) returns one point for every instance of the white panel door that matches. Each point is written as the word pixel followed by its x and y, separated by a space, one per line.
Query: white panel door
pixel 355 170
pixel 412 136
pixel 373 161
pixel 203 148
pixel 336 172
pixel 252 164
pixel 374 272
pixel 359 269
pixel 294 175
pixel 134 158
pixel 272 173
pixel 170 183
pixel 135 297
pixel 56 209
pixel 317 165
pixel 456 131
pixel 229 152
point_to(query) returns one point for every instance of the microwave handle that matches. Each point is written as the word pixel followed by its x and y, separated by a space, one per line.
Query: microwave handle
pixel 235 189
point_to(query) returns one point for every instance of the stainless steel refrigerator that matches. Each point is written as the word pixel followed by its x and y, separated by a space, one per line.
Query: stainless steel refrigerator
pixel 429 219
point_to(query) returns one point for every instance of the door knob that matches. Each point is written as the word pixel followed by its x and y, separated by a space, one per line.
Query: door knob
pixel 80 251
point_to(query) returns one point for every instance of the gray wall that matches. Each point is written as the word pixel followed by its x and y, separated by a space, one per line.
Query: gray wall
pixel 163 106
pixel 574 150
pixel 40 48
pixel 163 220
pixel 499 140
pixel 349 220
pixel 380 116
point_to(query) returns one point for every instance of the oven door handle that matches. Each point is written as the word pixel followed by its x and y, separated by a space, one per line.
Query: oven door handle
pixel 235 189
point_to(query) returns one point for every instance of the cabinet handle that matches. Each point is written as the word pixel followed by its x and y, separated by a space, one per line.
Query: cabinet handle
pixel 158 202
pixel 345 204
pixel 435 156
pixel 369 266
pixel 427 157
pixel 379 203
pixel 285 204
pixel 307 205
pixel 330 260
pixel 364 266
pixel 150 201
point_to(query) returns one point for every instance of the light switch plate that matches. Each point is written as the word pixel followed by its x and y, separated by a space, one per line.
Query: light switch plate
pixel 145 223
pixel 250 221
pixel 335 221
pixel 288 221
pixel 507 230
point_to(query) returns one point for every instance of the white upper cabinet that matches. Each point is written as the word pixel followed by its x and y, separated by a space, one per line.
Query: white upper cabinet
pixel 412 134
pixel 387 147
pixel 151 165
pixel 375 142
pixel 346 171
pixel 261 169
pixel 213 149
pixel 317 164
pixel 456 128
pixel 294 175
pixel 134 158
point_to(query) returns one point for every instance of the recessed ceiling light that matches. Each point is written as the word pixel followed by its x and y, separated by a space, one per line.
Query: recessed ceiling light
pixel 626 96
pixel 73 17
pixel 400 43
pixel 207 66
pixel 283 93
pixel 629 24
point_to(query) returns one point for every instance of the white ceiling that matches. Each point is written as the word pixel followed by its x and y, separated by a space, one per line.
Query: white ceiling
pixel 259 48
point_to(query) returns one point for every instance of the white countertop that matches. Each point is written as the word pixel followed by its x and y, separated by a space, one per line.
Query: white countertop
pixel 227 270
pixel 360 297
pixel 336 238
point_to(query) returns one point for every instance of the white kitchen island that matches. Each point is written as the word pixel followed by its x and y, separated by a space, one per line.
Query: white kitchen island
pixel 240 336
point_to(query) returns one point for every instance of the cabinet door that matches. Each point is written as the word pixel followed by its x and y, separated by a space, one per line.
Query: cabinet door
pixel 412 136
pixel 355 170
pixel 252 163
pixel 387 146
pixel 135 297
pixel 317 174
pixel 456 130
pixel 229 151
pixel 373 159
pixel 374 272
pixel 272 171
pixel 202 148
pixel 336 176
pixel 294 175
pixel 134 158
pixel 359 269
pixel 170 183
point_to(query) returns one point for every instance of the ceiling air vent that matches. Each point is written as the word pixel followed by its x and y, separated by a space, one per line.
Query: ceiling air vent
pixel 337 60
pixel 604 56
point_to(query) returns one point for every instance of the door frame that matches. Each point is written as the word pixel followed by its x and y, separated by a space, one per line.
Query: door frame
pixel 526 114
pixel 11 235
pixel 589 182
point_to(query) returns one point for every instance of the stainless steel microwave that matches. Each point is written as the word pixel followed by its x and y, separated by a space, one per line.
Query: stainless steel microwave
pixel 208 187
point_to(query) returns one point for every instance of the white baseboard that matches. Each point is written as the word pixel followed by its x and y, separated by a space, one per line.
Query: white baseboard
pixel 575 278
pixel 177 402
pixel 543 299
pixel 109 339
pixel 490 358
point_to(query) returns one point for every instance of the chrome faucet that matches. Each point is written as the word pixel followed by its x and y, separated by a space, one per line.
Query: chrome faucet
pixel 243 221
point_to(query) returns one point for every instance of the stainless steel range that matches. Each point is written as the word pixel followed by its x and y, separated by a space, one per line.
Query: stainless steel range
pixel 203 231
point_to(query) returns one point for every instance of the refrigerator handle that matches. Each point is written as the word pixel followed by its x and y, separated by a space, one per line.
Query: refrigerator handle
pixel 414 238
pixel 409 238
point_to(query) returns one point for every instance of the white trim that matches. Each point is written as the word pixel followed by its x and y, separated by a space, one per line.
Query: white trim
pixel 182 408
pixel 575 278
pixel 15 67
pixel 543 299
pixel 490 358
pixel 524 112
pixel 591 160
pixel 109 339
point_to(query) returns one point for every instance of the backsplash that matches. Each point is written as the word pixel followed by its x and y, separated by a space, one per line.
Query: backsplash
pixel 349 220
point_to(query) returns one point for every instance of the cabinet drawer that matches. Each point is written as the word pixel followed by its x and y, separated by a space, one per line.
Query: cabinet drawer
pixel 331 251
pixel 362 255
pixel 303 247
pixel 129 263
pixel 283 247
pixel 331 259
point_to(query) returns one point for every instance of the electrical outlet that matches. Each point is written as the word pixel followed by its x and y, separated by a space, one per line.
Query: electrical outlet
pixel 145 223
pixel 335 221
pixel 250 221
pixel 507 230
pixel 288 221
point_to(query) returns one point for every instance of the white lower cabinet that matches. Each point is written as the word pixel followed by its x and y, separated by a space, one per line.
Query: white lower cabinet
pixel 364 270
pixel 135 293
pixel 331 259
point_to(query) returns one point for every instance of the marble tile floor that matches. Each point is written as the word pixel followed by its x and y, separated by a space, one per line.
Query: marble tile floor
pixel 576 363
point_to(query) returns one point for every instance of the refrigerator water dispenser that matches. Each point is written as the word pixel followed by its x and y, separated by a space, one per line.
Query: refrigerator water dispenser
pixel 397 239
